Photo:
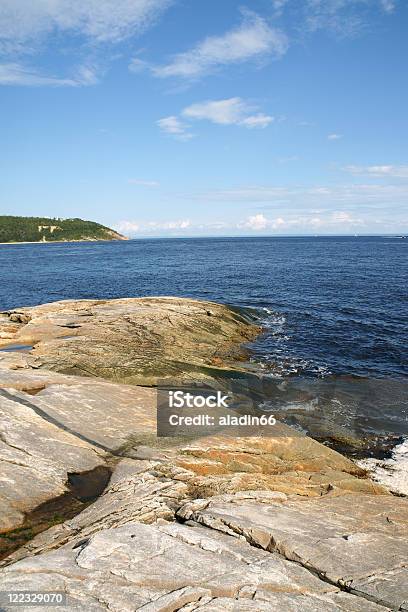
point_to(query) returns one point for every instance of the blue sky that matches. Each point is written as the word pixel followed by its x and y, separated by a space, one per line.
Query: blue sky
pixel 207 117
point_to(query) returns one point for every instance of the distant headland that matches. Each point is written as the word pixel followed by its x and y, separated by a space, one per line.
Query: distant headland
pixel 44 229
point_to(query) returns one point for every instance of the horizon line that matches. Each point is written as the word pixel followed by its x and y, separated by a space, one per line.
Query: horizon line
pixel 400 235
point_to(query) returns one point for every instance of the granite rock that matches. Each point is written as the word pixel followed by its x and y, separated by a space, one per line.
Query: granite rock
pixel 215 523
pixel 128 551
pixel 132 340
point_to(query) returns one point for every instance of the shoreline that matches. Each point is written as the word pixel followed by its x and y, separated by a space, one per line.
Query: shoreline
pixel 392 471
pixel 68 241
pixel 342 440
pixel 273 512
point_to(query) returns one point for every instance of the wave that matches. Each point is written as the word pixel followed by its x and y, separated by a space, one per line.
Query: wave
pixel 391 472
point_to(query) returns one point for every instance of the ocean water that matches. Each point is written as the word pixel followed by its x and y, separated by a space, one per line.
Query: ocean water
pixel 335 311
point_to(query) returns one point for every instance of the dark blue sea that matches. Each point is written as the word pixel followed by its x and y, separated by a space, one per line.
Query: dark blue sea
pixel 334 308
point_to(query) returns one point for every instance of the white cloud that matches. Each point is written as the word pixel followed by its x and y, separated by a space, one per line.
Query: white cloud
pixel 87 74
pixel 344 18
pixel 332 15
pixel 143 183
pixel 17 74
pixel 380 171
pixel 14 73
pixel 231 111
pixel 132 228
pixel 224 112
pixel 253 39
pixel 257 222
pixel 388 5
pixel 127 227
pixel 341 216
pixel 317 197
pixel 257 121
pixel 158 226
pixel 24 22
pixel 289 158
pixel 286 220
pixel 301 222
pixel 248 194
pixel 137 65
pixel 25 26
pixel 334 136
pixel 174 126
pixel 171 124
pixel 278 6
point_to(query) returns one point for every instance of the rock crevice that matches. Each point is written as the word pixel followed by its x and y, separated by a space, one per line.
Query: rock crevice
pixel 212 524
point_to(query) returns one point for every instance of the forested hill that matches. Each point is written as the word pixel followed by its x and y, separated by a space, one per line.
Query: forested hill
pixel 44 229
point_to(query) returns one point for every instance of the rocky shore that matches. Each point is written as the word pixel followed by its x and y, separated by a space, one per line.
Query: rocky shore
pixel 93 504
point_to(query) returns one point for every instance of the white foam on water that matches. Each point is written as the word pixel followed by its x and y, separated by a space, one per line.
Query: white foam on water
pixel 281 362
pixel 300 406
pixel 273 318
pixel 392 472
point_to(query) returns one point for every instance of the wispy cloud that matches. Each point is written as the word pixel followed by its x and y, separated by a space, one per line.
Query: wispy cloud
pixel 342 17
pixel 255 39
pixel 143 182
pixel 278 6
pixel 137 65
pixel 88 25
pixel 290 210
pixel 388 5
pixel 342 216
pixel 315 197
pixel 134 228
pixel 246 194
pixel 169 225
pixel 334 136
pixel 288 159
pixel 252 39
pixel 25 22
pixel 15 73
pixel 175 127
pixel 385 171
